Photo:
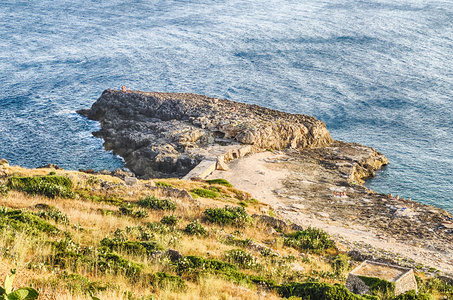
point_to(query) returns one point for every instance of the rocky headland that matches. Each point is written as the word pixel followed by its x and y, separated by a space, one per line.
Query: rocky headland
pixel 165 134
pixel 302 173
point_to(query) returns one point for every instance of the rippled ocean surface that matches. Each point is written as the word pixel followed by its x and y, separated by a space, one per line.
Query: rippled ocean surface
pixel 376 72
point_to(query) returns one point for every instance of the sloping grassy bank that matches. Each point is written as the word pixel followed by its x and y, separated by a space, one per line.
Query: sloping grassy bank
pixel 77 236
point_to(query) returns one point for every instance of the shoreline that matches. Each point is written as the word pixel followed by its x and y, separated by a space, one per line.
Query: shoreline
pixel 307 178
pixel 364 222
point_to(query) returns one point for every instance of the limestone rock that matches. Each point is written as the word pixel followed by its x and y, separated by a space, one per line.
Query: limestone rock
pixel 154 132
pixel 130 180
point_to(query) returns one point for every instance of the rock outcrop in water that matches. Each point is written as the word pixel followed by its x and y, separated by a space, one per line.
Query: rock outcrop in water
pixel 161 134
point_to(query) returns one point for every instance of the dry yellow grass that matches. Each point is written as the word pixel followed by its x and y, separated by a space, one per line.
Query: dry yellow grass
pixel 89 224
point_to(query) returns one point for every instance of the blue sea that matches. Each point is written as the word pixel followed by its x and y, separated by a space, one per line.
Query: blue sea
pixel 377 72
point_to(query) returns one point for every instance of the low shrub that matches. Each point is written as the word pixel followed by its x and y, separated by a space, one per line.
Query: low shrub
pixel 242 258
pixel 340 263
pixel 109 262
pixel 78 284
pixel 228 216
pixel 160 183
pixel 132 247
pixel 319 291
pixel 196 265
pixel 165 281
pixel 170 220
pixel 55 215
pixel 3 189
pixel 412 295
pixel 215 189
pixel 192 263
pixel 195 228
pixel 50 186
pixel 157 204
pixel 219 181
pixel 160 228
pixel 205 193
pixel 434 285
pixel 381 287
pixel 23 220
pixel 309 239
pixel 128 210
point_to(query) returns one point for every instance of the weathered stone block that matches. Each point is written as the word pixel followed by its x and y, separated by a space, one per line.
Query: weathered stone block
pixel 403 278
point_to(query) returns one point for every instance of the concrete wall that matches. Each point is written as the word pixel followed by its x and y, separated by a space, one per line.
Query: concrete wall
pixel 405 283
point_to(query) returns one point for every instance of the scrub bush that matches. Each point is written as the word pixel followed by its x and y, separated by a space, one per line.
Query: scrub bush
pixel 157 204
pixel 220 182
pixel 228 216
pixel 170 220
pixel 50 186
pixel 242 258
pixel 205 193
pixel 309 239
pixel 319 291
pixel 165 281
pixel 195 228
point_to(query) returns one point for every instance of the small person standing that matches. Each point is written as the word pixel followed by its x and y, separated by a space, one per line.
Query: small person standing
pixel 123 88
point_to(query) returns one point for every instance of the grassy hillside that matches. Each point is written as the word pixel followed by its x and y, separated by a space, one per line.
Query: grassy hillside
pixel 76 236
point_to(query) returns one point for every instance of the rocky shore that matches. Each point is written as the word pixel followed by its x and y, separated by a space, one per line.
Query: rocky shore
pixel 305 176
pixel 163 134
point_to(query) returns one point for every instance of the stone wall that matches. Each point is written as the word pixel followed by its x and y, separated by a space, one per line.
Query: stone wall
pixel 356 285
pixel 406 283
pixel 403 282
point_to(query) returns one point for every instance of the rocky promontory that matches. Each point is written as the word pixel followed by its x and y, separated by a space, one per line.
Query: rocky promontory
pixel 167 134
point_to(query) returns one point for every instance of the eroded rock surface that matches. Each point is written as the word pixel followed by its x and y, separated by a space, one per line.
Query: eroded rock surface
pixel 158 134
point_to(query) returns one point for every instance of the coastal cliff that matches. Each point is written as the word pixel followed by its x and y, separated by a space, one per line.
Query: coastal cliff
pixel 161 134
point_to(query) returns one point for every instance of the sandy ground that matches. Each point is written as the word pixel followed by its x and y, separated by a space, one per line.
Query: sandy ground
pixel 260 177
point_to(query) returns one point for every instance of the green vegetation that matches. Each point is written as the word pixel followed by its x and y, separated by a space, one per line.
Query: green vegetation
pixel 228 215
pixel 411 295
pixel 128 210
pixel 160 183
pixel 138 250
pixel 195 228
pixel 170 220
pixel 241 258
pixel 205 193
pixel 54 214
pixel 78 284
pixel 50 186
pixel 157 204
pixel 132 247
pixel 166 281
pixel 379 287
pixel 434 285
pixel 340 263
pixel 220 182
pixel 310 239
pixel 24 293
pixel 319 291
pixel 20 220
pixel 112 263
pixel 3 189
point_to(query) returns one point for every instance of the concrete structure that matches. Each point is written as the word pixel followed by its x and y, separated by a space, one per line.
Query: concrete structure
pixel 403 278
pixel 216 158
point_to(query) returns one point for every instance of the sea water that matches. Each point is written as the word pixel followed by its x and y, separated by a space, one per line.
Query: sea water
pixel 377 72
